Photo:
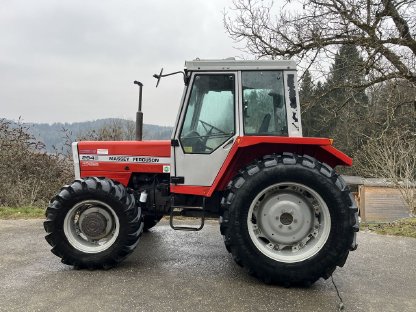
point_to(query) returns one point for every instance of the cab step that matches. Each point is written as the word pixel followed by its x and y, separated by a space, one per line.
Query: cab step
pixel 185 211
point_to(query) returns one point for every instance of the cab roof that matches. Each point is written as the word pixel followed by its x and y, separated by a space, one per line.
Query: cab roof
pixel 232 64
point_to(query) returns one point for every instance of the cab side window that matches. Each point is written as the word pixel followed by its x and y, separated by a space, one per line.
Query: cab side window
pixel 264 109
pixel 210 119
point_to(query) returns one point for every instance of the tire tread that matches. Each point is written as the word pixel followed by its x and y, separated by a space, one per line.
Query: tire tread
pixel 234 246
pixel 106 188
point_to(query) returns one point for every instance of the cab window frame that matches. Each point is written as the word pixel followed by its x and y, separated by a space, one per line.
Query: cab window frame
pixel 188 101
pixel 285 132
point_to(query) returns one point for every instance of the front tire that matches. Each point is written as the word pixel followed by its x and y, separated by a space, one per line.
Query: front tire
pixel 93 223
pixel 289 219
pixel 150 221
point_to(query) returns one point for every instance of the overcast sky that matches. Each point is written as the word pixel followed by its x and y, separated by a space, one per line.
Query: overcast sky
pixel 76 60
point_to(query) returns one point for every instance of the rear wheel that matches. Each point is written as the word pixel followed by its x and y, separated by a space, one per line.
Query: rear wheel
pixel 289 220
pixel 93 223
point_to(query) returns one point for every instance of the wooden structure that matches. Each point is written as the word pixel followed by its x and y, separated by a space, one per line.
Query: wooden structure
pixel 378 200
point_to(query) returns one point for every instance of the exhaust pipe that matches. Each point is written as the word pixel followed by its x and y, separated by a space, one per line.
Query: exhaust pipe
pixel 139 114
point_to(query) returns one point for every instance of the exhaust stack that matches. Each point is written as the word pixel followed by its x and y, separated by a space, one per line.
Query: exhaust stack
pixel 139 114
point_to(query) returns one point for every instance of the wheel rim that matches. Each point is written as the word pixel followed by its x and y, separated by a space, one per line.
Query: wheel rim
pixel 289 222
pixel 91 226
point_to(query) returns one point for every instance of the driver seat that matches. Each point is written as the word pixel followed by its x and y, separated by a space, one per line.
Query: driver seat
pixel 264 127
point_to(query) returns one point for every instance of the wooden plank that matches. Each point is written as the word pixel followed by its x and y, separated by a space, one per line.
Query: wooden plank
pixel 361 195
pixel 383 204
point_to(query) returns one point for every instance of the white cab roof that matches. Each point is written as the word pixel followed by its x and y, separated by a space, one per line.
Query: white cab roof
pixel 231 64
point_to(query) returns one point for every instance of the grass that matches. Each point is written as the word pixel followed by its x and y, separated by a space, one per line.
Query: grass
pixel 21 212
pixel 402 227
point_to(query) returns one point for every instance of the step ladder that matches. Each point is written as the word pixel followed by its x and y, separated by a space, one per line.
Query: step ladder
pixel 179 210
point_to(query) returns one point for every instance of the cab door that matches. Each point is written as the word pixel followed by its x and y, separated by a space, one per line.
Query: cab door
pixel 206 129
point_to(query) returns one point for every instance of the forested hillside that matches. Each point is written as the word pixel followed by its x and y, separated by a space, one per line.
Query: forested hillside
pixel 41 156
pixel 54 135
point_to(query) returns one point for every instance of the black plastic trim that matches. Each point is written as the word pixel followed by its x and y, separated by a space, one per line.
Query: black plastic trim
pixel 177 180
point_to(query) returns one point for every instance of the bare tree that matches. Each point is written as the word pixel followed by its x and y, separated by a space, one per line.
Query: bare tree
pixel 123 130
pixel 112 130
pixel 310 31
pixel 392 106
pixel 393 157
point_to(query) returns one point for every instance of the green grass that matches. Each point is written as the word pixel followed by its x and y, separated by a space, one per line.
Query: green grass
pixel 402 227
pixel 21 212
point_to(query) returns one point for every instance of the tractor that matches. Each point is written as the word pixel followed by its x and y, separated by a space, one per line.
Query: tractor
pixel 236 153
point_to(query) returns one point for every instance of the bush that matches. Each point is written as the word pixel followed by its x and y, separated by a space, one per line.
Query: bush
pixel 29 176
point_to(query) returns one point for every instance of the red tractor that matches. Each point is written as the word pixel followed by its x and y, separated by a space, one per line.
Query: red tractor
pixel 236 153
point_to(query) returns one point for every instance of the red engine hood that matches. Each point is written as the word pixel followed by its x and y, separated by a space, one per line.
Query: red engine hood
pixel 126 148
pixel 118 159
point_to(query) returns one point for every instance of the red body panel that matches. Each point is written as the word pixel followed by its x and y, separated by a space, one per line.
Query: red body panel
pixel 149 148
pixel 247 149
pixel 122 170
pixel 244 151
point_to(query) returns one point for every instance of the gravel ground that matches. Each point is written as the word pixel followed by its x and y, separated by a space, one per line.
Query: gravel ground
pixel 192 271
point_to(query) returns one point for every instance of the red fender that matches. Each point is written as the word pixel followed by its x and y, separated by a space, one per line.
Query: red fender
pixel 246 149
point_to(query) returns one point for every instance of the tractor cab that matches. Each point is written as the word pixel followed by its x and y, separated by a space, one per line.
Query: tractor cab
pixel 227 99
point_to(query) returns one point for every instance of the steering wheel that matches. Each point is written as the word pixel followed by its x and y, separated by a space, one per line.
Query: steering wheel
pixel 197 142
pixel 205 125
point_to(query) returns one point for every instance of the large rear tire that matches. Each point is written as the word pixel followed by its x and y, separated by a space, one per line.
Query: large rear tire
pixel 289 220
pixel 93 223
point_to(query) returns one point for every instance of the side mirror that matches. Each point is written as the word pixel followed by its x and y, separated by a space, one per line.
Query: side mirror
pixel 158 77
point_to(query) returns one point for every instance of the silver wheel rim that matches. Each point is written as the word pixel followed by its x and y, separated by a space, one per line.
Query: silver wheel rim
pixel 289 222
pixel 91 226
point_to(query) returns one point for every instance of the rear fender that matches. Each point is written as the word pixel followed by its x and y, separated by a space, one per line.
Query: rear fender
pixel 247 149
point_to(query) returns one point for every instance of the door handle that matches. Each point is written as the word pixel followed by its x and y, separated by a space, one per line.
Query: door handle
pixel 229 142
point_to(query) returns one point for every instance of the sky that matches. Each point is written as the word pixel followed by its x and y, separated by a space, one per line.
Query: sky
pixel 76 60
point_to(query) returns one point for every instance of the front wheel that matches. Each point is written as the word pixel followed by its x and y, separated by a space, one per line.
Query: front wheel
pixel 289 220
pixel 93 223
pixel 150 221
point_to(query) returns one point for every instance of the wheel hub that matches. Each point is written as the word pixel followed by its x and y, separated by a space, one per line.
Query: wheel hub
pixel 94 223
pixel 91 226
pixel 289 222
pixel 285 218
